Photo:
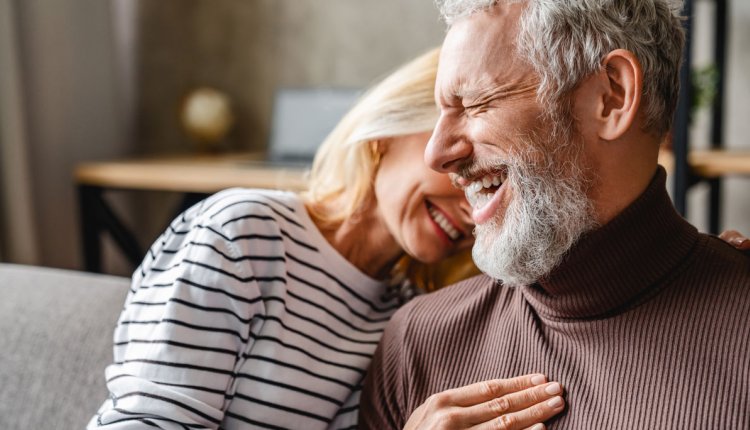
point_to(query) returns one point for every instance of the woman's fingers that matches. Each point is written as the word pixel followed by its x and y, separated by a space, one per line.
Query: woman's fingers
pixel 736 239
pixel 504 404
pixel 484 391
pixel 513 402
pixel 526 418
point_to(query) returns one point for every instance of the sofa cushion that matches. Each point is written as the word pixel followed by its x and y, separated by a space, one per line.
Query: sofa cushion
pixel 55 341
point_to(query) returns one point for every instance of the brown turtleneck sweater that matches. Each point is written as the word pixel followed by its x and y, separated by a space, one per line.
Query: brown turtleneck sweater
pixel 645 323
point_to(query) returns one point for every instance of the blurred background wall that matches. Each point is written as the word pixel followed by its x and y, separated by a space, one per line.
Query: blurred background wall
pixel 17 221
pixel 249 48
pixel 104 79
pixel 736 198
pixel 101 79
pixel 66 110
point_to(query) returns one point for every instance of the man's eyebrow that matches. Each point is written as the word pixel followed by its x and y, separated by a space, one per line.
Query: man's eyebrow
pixel 481 94
pixel 449 95
pixel 455 95
pixel 474 90
pixel 483 91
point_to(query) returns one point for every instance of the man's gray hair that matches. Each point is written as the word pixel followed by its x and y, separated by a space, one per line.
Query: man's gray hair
pixel 565 41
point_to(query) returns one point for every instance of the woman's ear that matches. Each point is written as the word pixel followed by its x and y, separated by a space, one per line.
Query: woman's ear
pixel 377 149
pixel 621 79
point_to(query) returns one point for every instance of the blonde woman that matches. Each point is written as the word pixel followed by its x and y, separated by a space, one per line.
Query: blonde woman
pixel 262 309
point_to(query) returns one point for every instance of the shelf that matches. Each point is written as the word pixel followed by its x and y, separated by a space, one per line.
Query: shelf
pixel 710 164
pixel 719 162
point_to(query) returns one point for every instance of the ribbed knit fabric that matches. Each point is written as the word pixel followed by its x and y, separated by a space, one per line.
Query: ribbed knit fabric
pixel 645 324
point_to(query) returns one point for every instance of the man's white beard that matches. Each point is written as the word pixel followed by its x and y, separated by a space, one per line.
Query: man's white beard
pixel 547 214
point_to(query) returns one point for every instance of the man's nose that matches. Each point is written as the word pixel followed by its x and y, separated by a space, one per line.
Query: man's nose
pixel 447 148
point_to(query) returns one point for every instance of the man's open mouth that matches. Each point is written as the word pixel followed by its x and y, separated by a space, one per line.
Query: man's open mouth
pixel 480 191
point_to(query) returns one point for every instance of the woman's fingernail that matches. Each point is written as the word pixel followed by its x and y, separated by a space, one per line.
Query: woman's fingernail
pixel 538 380
pixel 538 427
pixel 556 402
pixel 553 388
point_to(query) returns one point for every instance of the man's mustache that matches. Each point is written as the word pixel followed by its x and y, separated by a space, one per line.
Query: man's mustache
pixel 476 169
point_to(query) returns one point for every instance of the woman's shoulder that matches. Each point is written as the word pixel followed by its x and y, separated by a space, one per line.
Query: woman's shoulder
pixel 236 205
pixel 234 225
pixel 238 201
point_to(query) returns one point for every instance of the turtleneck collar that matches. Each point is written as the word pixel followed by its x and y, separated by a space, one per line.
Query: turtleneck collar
pixel 612 267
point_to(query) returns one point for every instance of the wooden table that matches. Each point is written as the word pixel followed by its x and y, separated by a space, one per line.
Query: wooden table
pixel 195 176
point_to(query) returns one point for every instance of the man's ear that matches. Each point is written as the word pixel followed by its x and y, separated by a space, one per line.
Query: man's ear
pixel 622 79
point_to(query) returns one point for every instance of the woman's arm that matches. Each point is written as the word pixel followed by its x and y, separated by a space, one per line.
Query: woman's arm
pixel 183 333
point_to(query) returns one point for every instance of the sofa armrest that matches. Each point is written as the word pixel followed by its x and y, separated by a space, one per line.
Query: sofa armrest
pixel 55 341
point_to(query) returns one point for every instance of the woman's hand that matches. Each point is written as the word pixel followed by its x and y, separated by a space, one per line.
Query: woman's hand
pixel 519 403
pixel 736 239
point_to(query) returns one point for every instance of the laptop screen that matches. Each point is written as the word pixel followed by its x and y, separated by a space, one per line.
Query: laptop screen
pixel 303 117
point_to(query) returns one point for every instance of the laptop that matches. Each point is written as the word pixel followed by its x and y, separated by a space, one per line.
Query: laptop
pixel 302 119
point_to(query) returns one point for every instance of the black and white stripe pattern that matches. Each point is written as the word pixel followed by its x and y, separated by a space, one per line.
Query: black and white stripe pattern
pixel 242 316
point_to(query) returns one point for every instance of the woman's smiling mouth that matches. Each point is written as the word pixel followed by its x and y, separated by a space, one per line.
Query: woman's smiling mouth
pixel 443 221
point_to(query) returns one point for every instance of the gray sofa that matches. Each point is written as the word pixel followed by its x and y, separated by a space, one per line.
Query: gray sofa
pixel 55 341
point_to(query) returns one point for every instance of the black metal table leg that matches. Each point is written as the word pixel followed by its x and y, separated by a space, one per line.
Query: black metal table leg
pixel 90 227
pixel 122 236
pixel 681 132
pixel 97 218
pixel 717 110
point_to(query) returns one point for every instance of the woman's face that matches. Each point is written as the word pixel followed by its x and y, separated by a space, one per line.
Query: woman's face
pixel 426 215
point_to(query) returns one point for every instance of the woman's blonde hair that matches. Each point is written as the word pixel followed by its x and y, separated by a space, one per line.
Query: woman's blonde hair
pixel 344 168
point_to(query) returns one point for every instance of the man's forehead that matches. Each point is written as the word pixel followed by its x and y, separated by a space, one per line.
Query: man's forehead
pixel 479 51
pixel 497 26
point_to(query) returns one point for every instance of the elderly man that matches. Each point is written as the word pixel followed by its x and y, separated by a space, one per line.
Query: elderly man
pixel 552 112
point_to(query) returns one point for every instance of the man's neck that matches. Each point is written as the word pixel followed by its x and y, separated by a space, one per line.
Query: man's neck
pixel 620 262
pixel 621 170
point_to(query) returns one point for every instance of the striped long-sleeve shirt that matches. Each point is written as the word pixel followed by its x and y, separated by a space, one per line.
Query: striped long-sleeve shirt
pixel 243 316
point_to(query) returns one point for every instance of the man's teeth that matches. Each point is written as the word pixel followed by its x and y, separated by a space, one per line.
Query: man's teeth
pixel 476 191
pixel 444 224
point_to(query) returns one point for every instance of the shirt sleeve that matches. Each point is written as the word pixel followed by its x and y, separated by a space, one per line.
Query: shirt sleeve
pixel 383 400
pixel 187 325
